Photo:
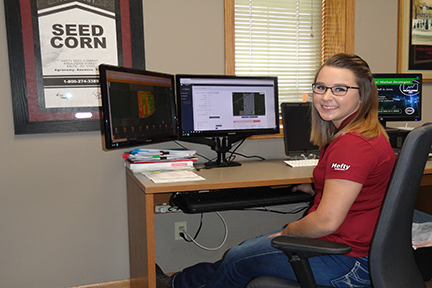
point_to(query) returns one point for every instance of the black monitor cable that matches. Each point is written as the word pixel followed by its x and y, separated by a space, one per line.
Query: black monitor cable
pixel 231 158
pixel 248 157
pixel 232 153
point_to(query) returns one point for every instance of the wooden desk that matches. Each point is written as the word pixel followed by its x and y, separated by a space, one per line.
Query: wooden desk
pixel 143 195
pixel 424 196
pixel 427 175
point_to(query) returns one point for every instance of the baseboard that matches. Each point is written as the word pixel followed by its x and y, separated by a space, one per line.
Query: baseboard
pixel 111 284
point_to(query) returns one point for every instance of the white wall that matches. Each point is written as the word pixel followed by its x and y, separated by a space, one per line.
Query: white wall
pixel 63 200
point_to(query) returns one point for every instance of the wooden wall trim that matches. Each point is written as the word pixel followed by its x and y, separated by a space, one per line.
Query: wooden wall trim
pixel 125 283
pixel 229 37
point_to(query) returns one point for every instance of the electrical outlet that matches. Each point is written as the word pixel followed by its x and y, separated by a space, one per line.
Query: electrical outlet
pixel 177 231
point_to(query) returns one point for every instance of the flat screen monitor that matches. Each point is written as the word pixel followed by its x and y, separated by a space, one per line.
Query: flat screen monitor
pixel 226 107
pixel 399 96
pixel 296 122
pixel 138 106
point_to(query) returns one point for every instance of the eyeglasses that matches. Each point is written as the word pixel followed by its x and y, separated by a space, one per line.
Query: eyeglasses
pixel 338 90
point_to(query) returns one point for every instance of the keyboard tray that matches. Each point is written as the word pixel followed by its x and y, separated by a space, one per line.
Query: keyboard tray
pixel 236 198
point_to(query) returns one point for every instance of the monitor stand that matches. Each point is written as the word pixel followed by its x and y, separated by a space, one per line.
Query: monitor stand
pixel 221 145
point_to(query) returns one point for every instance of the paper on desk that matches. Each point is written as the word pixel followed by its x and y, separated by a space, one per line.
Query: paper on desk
pixel 172 176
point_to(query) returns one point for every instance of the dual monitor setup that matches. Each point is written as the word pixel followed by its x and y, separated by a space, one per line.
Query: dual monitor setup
pixel 143 107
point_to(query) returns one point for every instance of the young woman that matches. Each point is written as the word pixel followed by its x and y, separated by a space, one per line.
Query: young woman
pixel 350 180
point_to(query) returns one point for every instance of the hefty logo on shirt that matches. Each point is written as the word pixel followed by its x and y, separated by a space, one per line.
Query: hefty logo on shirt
pixel 340 167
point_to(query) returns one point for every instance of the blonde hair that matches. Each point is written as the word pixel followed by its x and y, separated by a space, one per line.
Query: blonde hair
pixel 365 122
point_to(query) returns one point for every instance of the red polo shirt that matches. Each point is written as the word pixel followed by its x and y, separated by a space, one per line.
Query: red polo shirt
pixel 369 162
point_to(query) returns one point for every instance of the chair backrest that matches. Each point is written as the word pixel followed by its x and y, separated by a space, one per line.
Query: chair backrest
pixel 391 258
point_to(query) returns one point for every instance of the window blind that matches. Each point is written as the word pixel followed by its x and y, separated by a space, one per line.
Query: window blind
pixel 279 38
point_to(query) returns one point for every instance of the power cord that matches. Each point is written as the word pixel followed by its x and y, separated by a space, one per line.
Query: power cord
pixel 196 233
pixel 192 239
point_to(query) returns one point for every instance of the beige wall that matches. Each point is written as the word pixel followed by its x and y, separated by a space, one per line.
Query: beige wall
pixel 376 41
pixel 63 199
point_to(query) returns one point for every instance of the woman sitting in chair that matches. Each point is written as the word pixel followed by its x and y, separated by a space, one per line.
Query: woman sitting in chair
pixel 355 166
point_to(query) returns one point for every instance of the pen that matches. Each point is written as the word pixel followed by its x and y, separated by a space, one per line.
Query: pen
pixel 151 152
pixel 136 151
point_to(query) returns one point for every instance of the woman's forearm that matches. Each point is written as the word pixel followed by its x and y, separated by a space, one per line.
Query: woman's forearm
pixel 311 226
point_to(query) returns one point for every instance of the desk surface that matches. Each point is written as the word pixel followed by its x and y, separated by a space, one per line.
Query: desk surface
pixel 250 174
pixel 428 168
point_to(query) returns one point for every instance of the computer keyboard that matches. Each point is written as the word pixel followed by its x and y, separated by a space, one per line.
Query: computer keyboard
pixel 236 198
pixel 302 163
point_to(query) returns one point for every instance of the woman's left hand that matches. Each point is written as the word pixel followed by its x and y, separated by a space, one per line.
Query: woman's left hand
pixel 281 233
pixel 275 235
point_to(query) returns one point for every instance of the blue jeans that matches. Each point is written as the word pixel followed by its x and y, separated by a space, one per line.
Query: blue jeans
pixel 256 257
pixel 421 217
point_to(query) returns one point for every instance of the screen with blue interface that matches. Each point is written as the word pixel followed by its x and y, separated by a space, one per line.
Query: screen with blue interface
pixel 399 96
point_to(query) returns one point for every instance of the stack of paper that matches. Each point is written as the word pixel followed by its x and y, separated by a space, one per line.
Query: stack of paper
pixel 172 176
pixel 155 160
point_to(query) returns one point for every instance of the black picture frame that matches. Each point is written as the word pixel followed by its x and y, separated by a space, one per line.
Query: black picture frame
pixel 414 49
pixel 27 83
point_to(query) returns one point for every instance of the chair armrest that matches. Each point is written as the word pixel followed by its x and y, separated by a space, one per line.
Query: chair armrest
pixel 309 247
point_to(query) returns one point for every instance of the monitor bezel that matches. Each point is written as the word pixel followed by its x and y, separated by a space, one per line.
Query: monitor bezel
pixel 309 147
pixel 109 144
pixel 385 118
pixel 230 132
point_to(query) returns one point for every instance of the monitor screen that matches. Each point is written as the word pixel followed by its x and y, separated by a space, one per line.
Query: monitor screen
pixel 296 122
pixel 213 106
pixel 399 96
pixel 138 106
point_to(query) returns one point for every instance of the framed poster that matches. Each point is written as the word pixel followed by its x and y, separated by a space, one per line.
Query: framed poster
pixel 415 37
pixel 55 48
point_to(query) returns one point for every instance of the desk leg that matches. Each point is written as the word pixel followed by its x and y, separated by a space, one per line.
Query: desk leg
pixel 141 236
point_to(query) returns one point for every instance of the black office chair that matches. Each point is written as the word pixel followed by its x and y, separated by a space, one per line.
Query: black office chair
pixel 391 258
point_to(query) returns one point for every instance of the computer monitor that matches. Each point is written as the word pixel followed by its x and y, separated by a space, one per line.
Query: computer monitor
pixel 138 106
pixel 218 110
pixel 296 122
pixel 399 96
